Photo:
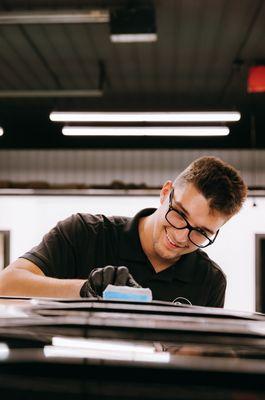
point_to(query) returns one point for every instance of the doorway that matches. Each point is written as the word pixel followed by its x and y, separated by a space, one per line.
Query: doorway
pixel 260 271
pixel 4 249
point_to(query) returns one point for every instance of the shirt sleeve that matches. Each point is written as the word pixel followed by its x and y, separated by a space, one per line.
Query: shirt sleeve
pixel 217 293
pixel 56 254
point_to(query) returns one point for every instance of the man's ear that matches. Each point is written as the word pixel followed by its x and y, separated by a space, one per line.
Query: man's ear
pixel 165 191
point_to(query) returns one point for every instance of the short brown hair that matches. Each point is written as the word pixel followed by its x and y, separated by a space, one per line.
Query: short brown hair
pixel 219 182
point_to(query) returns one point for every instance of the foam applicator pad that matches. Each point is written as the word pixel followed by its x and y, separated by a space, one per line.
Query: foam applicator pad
pixel 127 293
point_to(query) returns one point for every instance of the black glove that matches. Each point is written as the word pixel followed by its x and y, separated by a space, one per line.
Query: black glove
pixel 100 278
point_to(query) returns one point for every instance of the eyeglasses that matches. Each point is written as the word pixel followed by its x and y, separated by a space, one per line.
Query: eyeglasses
pixel 196 235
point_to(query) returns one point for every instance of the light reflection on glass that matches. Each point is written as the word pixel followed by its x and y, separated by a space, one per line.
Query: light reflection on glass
pixel 4 351
pixel 104 349
pixel 102 344
pixel 57 351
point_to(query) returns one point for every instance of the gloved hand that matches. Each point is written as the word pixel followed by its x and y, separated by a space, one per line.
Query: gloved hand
pixel 100 278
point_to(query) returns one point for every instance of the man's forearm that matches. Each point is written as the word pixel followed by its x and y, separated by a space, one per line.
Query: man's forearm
pixel 20 282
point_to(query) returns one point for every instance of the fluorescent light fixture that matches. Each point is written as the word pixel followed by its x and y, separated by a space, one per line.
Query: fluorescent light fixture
pixel 1 131
pixel 146 131
pixel 55 17
pixel 135 23
pixel 133 37
pixel 218 116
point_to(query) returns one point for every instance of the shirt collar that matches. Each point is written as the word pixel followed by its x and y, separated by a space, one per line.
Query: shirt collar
pixel 183 269
pixel 130 244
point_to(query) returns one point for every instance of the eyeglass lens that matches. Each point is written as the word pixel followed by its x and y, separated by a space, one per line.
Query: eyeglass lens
pixel 177 221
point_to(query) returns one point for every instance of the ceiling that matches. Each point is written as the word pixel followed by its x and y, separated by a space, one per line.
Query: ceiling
pixel 200 61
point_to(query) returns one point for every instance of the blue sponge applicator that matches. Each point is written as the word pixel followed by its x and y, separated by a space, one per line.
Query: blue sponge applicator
pixel 127 293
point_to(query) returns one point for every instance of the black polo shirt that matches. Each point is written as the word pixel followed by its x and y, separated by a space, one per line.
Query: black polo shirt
pixel 84 241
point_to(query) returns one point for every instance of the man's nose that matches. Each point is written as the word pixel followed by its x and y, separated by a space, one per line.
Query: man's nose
pixel 182 235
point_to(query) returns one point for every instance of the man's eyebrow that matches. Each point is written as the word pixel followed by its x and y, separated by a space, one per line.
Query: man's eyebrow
pixel 179 205
pixel 207 230
pixel 186 213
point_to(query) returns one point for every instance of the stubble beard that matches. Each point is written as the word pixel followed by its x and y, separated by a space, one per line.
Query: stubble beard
pixel 162 253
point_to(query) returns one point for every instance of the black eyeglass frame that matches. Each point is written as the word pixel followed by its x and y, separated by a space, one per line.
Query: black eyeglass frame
pixel 188 225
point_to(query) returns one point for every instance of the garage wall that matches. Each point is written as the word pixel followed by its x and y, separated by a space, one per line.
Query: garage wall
pixel 152 167
pixel 29 217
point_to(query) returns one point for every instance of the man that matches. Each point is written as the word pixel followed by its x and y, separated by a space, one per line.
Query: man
pixel 158 248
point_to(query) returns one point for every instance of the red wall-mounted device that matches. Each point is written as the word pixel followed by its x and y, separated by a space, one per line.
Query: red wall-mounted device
pixel 256 79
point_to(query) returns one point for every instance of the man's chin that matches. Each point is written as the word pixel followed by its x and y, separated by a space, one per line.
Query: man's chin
pixel 171 255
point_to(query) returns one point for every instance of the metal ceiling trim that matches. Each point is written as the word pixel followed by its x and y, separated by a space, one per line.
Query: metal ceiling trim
pixel 55 17
pixel 50 93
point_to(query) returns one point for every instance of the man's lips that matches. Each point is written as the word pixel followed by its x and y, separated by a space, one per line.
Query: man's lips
pixel 172 243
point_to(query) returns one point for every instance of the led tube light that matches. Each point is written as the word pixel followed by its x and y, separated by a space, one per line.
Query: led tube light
pixel 145 131
pixel 218 116
pixel 133 37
